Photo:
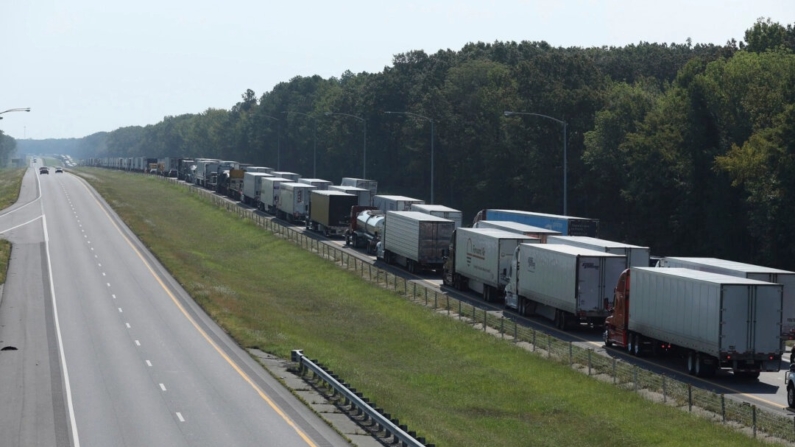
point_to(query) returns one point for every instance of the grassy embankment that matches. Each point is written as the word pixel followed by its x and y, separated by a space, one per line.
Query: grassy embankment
pixel 454 385
pixel 10 183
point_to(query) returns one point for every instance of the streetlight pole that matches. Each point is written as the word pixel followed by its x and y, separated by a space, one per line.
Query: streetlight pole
pixel 432 157
pixel 565 149
pixel 278 141
pixel 21 109
pixel 364 150
pixel 314 136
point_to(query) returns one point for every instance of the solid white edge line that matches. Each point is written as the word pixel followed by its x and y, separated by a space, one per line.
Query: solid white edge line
pixel 69 404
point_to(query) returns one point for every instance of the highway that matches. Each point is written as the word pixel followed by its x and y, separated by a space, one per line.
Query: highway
pixel 101 347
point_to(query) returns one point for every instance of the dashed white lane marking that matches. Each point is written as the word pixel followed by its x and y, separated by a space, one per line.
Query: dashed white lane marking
pixel 179 415
pixel 148 363
pixel 162 387
pixel 128 325
pixel 121 311
pixel 99 264
pixel 108 284
pixel 113 295
pixel 103 274
pixel 137 343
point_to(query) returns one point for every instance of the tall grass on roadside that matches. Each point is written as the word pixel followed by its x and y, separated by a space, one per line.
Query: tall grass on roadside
pixel 450 383
pixel 10 184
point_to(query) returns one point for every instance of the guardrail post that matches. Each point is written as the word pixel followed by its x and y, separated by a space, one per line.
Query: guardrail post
pixel 485 317
pixel 753 415
pixel 689 397
pixel 571 356
pixel 435 300
pixel 502 327
pixel 665 394
pixel 615 376
pixel 534 340
pixel 589 361
pixel 515 332
pixel 459 310
pixel 426 295
pixel 549 346
pixel 723 408
pixel 635 377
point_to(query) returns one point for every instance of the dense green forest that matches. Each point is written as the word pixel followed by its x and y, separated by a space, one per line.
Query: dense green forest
pixel 685 148
pixel 8 146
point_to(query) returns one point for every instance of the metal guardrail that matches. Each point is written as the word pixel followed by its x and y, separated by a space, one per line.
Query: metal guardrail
pixel 383 422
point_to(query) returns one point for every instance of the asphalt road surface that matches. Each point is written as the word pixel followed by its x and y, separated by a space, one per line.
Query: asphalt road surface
pixel 101 347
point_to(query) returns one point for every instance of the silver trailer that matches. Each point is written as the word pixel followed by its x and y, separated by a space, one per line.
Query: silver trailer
pixel 270 193
pixel 515 227
pixel 395 203
pixel 366 230
pixel 318 183
pixel 563 283
pixel 294 202
pixel 370 185
pixel 252 186
pixel 415 240
pixel 637 256
pixel 480 259
pixel 330 212
pixel 200 175
pixel 784 277
pixel 292 176
pixel 361 193
pixel 716 320
pixel 439 211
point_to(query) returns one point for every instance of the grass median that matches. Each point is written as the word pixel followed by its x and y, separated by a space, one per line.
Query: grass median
pixel 10 184
pixel 452 384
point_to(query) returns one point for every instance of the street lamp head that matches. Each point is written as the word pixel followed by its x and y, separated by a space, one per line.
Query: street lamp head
pixel 507 113
pixel 328 114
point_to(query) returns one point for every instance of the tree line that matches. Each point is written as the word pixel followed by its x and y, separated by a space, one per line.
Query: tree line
pixel 685 148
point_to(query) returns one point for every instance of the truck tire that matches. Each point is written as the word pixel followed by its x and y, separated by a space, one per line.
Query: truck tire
pixel 630 343
pixel 691 363
pixel 638 346
pixel 791 395
pixel 606 338
pixel 699 366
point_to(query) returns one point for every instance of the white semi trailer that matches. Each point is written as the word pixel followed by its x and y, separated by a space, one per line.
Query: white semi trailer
pixel 637 256
pixel 563 283
pixel 479 260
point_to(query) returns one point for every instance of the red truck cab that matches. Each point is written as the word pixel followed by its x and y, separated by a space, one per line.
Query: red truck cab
pixel 617 324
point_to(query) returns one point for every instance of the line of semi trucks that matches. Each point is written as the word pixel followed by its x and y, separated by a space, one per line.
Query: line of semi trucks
pixel 717 314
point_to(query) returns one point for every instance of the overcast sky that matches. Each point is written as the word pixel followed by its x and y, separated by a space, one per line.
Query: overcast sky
pixel 85 66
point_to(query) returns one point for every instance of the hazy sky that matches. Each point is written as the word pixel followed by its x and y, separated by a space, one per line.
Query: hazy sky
pixel 85 66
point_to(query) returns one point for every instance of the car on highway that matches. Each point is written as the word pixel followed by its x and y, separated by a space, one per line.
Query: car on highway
pixel 59 170
pixel 789 377
pixel 44 170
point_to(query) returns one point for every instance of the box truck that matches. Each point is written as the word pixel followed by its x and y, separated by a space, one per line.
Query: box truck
pixel 370 185
pixel 252 186
pixel 330 212
pixel 292 176
pixel 318 183
pixel 361 193
pixel 293 203
pixel 269 193
pixel 563 283
pixel 416 241
pixel 479 258
pixel 715 321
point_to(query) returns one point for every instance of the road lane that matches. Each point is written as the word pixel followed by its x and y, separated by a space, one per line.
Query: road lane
pixel 146 365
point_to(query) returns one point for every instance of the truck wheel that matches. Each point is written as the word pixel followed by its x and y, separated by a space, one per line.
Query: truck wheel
pixel 487 294
pixel 606 337
pixel 791 395
pixel 630 343
pixel 699 367
pixel 638 347
pixel 691 363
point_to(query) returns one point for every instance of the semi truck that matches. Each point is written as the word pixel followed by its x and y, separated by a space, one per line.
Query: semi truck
pixel 568 285
pixel 416 241
pixel 388 203
pixel 252 186
pixel 716 321
pixel 361 193
pixel 318 183
pixel 293 203
pixel 637 256
pixel 479 258
pixel 202 173
pixel 566 225
pixel 264 169
pixel 370 185
pixel 439 211
pixel 330 212
pixel 366 229
pixel 269 193
pixel 724 267
pixel 515 227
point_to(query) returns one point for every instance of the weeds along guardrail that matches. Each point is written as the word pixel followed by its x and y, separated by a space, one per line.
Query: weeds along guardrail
pixel 655 387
